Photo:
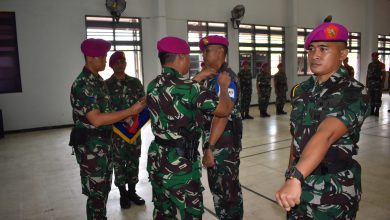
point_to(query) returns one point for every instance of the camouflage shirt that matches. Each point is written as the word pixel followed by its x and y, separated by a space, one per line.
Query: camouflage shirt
pixel 341 97
pixel 175 102
pixel 280 81
pixel 124 93
pixel 374 74
pixel 211 84
pixel 263 79
pixel 245 77
pixel 88 93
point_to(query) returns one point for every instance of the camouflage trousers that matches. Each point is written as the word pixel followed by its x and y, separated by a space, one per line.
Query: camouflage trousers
pixel 126 161
pixel 330 196
pixel 264 96
pixel 224 184
pixel 280 100
pixel 375 94
pixel 245 101
pixel 176 185
pixel 94 159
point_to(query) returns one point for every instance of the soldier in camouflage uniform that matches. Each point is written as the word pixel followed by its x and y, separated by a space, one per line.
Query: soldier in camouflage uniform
pixel 263 86
pixel 177 106
pixel 124 92
pixel 280 81
pixel 245 79
pixel 223 170
pixel 323 181
pixel 374 83
pixel 349 68
pixel 91 135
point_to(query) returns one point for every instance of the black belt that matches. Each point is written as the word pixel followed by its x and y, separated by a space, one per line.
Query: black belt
pixel 326 167
pixel 173 143
pixel 105 133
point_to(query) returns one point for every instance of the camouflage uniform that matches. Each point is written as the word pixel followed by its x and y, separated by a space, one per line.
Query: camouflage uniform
pixel 263 80
pixel 374 84
pixel 280 81
pixel 245 77
pixel 124 93
pixel 223 178
pixel 176 104
pixel 95 156
pixel 350 70
pixel 333 189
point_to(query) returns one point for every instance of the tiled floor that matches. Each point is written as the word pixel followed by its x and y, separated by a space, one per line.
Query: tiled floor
pixel 40 178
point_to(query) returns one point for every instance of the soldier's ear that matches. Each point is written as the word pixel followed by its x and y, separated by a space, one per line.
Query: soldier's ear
pixel 343 54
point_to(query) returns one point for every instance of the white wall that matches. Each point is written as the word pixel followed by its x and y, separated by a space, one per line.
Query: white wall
pixel 50 32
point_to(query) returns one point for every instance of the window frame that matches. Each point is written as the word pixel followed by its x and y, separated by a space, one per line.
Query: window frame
pixel 124 24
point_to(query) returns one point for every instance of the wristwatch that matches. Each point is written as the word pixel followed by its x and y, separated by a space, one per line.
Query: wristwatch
pixel 293 172
pixel 207 145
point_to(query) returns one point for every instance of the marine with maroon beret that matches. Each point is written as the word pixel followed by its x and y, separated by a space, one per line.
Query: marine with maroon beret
pixel 222 158
pixel 177 107
pixel 376 74
pixel 91 134
pixel 245 79
pixel 323 181
pixel 125 91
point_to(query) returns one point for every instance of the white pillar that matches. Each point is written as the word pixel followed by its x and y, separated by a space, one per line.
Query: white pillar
pixel 291 65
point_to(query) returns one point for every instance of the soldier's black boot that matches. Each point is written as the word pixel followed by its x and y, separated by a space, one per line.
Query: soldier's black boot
pixel 372 110
pixel 124 200
pixel 264 114
pixel 243 116
pixel 134 197
pixel 376 113
pixel 279 111
pixel 247 116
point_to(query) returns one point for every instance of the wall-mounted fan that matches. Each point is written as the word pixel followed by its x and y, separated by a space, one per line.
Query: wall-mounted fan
pixel 116 7
pixel 237 15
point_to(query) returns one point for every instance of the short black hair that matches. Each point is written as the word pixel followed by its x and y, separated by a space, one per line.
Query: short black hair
pixel 166 57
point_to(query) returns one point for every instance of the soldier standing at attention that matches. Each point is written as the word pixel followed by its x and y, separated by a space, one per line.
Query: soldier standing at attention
pixel 245 79
pixel 350 70
pixel 125 91
pixel 328 110
pixel 374 82
pixel 93 119
pixel 177 105
pixel 263 86
pixel 280 81
pixel 222 158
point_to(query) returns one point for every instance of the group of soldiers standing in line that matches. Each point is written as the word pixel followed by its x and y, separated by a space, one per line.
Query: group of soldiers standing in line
pixel 263 88
pixel 328 111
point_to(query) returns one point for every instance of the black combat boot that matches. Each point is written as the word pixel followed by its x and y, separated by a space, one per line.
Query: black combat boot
pixel 134 197
pixel 124 200
pixel 279 110
pixel 243 116
pixel 264 114
pixel 247 116
pixel 372 110
pixel 376 113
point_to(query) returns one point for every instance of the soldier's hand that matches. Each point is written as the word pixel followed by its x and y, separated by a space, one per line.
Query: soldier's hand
pixel 205 73
pixel 289 194
pixel 208 158
pixel 138 106
pixel 224 80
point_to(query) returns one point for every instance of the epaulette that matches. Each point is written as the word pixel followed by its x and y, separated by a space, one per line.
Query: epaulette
pixel 293 92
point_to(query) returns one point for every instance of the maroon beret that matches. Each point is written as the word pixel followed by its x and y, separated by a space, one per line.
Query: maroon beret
pixel 95 47
pixel 173 45
pixel 118 55
pixel 213 40
pixel 332 32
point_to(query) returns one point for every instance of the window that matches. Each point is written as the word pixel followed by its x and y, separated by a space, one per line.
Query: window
pixel 353 45
pixel 354 48
pixel 303 65
pixel 124 35
pixel 261 44
pixel 9 57
pixel 196 31
pixel 384 49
